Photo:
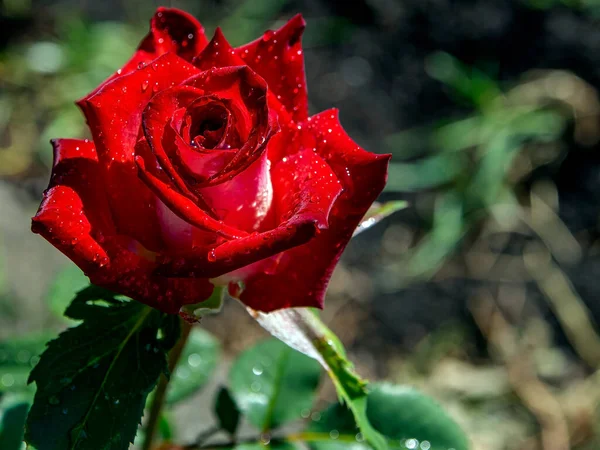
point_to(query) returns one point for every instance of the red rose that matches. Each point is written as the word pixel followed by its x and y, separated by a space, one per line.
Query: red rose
pixel 205 169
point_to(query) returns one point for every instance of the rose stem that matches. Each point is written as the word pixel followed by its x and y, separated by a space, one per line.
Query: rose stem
pixel 161 390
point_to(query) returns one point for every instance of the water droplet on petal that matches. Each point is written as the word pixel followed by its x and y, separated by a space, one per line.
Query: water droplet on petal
pixel 145 84
pixel 212 256
pixel 268 35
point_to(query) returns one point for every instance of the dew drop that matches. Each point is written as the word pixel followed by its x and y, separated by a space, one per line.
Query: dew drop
pixel 257 370
pixel 212 256
pixel 334 434
pixel 194 360
pixel 411 443
pixel 268 35
pixel 145 85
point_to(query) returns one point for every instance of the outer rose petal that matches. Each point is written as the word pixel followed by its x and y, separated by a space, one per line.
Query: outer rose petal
pixel 171 30
pixel 75 217
pixel 135 276
pixel 114 114
pixel 277 57
pixel 302 273
pixel 74 213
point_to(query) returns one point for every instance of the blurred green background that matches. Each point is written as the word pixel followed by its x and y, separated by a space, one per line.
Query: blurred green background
pixel 484 292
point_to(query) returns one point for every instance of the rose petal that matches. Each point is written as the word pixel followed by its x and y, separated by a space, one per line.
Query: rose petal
pixel 179 160
pixel 278 58
pixel 171 30
pixel 75 217
pixel 114 114
pixel 301 276
pixel 74 213
pixel 244 201
pixel 305 189
pixel 247 92
pixel 132 274
pixel 184 207
pixel 219 53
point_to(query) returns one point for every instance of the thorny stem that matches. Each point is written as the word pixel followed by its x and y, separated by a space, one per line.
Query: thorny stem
pixel 161 390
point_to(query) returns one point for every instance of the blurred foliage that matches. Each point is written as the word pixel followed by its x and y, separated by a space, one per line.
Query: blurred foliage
pixel 466 163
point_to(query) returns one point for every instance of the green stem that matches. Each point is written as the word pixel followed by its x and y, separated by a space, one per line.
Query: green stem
pixel 305 436
pixel 161 390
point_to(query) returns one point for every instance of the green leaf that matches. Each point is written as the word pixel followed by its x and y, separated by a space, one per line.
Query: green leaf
pixel 401 412
pixel 13 412
pixel 272 384
pixel 197 363
pixel 301 329
pixel 67 283
pixel 93 380
pixel 378 212
pixel 334 429
pixel 227 411
pixel 17 357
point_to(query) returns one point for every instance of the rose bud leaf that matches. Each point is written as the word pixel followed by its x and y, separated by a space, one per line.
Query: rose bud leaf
pixel 92 381
pixel 272 384
pixel 303 330
pixel 377 212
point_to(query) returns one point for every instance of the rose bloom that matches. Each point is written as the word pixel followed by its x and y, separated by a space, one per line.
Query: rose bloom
pixel 205 169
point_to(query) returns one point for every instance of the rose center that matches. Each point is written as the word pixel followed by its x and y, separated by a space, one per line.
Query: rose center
pixel 209 126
